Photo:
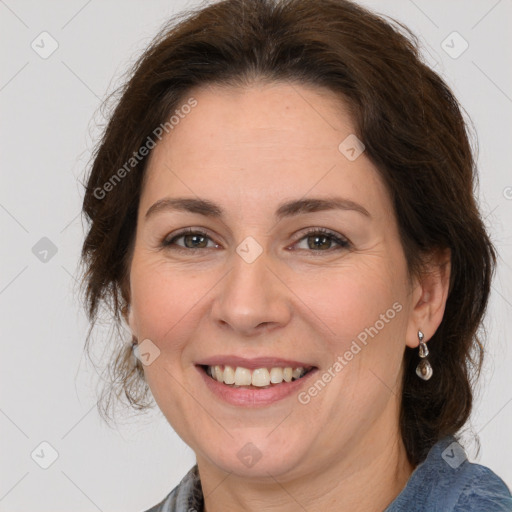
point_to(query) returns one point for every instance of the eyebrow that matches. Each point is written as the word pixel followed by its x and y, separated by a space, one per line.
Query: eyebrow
pixel 286 209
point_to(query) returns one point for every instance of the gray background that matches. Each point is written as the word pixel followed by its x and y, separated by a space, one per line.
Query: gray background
pixel 49 113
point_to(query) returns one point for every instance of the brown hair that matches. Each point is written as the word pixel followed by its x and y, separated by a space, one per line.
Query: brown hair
pixel 414 133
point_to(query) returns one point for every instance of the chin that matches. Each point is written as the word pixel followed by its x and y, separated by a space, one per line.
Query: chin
pixel 260 455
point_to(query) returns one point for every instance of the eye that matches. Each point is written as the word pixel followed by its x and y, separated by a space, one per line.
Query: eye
pixel 193 239
pixel 319 238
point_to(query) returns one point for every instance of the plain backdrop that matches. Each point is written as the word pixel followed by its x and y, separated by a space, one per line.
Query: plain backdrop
pixel 49 123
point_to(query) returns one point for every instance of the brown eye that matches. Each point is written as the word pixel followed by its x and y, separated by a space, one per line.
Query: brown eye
pixel 321 240
pixel 195 241
pixel 191 240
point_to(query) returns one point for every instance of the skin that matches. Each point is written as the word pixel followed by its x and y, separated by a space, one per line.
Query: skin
pixel 249 149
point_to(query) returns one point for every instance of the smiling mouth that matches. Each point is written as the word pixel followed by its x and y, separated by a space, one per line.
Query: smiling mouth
pixel 259 378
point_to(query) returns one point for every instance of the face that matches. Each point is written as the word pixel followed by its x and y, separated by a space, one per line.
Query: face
pixel 267 276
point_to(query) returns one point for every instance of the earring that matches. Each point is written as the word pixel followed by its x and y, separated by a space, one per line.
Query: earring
pixel 424 369
pixel 135 350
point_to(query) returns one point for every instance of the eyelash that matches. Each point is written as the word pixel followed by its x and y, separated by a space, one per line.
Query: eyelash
pixel 343 243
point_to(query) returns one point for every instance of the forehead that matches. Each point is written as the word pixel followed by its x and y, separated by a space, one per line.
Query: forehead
pixel 266 116
pixel 260 143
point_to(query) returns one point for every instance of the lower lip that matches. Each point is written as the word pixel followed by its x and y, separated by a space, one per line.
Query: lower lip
pixel 245 397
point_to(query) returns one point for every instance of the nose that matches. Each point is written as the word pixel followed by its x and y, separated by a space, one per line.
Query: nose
pixel 251 298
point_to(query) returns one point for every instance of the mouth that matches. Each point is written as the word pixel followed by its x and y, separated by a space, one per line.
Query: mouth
pixel 255 378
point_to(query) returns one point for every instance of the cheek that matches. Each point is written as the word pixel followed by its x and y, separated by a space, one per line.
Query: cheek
pixel 161 299
pixel 163 309
pixel 345 301
pixel 362 312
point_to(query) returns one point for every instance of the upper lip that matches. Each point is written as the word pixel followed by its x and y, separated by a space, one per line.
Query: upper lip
pixel 252 364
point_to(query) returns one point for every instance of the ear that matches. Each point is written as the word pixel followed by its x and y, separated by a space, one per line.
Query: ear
pixel 127 314
pixel 126 309
pixel 429 295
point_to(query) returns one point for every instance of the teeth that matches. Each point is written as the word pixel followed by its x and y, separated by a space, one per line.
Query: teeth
pixel 242 376
pixel 296 373
pixel 229 375
pixel 276 375
pixel 260 377
pixel 217 373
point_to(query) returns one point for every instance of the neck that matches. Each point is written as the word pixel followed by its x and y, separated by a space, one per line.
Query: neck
pixel 368 478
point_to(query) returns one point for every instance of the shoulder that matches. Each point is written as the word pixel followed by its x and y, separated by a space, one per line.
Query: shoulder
pixel 448 482
pixel 186 496
pixel 484 490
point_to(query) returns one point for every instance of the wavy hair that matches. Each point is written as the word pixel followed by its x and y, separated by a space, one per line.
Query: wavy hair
pixel 414 133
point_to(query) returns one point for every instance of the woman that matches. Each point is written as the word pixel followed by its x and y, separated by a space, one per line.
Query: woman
pixel 281 210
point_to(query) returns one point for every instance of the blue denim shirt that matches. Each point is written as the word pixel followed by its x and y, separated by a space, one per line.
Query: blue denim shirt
pixel 444 482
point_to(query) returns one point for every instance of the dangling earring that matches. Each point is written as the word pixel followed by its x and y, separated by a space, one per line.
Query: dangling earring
pixel 134 348
pixel 423 370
